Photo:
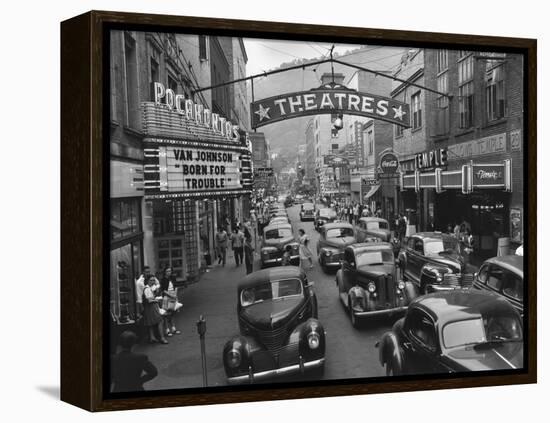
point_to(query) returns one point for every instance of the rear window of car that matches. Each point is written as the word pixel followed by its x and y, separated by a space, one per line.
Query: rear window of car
pixel 377 225
pixel 339 232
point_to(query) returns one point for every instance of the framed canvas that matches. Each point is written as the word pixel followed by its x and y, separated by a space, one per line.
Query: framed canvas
pixel 260 210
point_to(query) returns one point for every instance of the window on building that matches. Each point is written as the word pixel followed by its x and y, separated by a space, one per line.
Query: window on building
pixel 399 130
pixel 203 47
pixel 466 91
pixel 125 217
pixel 114 76
pixel 442 60
pixel 495 93
pixel 334 147
pixel 154 75
pixel 416 110
pixel 462 53
pixel 442 122
pixel 132 111
pixel 172 83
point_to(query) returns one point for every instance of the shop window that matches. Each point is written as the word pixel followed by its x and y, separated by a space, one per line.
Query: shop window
pixel 125 269
pixel 132 103
pixel 495 93
pixel 170 254
pixel 125 217
pixel 416 111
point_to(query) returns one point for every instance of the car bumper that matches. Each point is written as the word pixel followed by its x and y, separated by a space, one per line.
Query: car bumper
pixel 384 312
pixel 333 264
pixel 300 367
pixel 279 260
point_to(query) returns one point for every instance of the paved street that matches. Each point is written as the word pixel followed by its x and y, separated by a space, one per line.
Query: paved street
pixel 350 352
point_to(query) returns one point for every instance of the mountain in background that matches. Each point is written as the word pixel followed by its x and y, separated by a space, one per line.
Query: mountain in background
pixel 285 136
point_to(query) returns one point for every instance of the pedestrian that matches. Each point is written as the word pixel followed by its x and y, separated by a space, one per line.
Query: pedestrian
pixel 129 370
pixel 140 286
pixel 237 240
pixel 221 243
pixel 170 302
pixel 456 231
pixel 401 227
pixel 467 246
pixel 305 252
pixel 356 213
pixel 248 252
pixel 152 315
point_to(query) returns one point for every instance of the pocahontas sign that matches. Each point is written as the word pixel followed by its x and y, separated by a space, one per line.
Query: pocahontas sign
pixel 328 99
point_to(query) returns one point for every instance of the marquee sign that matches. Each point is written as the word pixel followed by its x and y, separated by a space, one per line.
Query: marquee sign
pixel 327 100
pixel 189 169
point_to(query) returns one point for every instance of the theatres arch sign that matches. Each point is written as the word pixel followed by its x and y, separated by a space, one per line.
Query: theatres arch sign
pixel 328 99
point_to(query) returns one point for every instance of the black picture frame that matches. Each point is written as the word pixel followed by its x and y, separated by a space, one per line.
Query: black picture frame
pixel 85 194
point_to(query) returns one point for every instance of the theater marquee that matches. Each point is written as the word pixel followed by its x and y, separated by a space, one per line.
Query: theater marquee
pixel 327 100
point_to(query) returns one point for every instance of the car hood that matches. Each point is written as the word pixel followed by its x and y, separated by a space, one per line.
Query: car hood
pixel 507 355
pixel 272 314
pixel 452 260
pixel 377 270
pixel 340 242
pixel 279 242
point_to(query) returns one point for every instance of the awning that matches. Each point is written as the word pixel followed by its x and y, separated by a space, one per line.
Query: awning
pixel 371 192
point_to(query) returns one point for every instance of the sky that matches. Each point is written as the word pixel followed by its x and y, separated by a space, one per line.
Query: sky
pixel 264 55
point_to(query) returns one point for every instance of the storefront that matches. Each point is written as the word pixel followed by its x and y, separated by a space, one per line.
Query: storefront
pixel 197 174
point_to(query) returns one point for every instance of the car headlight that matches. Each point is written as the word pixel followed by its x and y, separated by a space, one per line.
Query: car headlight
pixel 234 358
pixel 401 285
pixel 313 340
pixel 328 253
pixel 371 287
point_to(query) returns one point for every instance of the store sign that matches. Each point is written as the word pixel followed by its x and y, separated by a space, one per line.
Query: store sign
pixel 432 159
pixel 359 145
pixel 263 172
pixel 367 182
pixel 389 163
pixel 335 161
pixel 488 145
pixel 195 112
pixel 327 100
pixel 189 170
pixel 488 175
pixel 515 140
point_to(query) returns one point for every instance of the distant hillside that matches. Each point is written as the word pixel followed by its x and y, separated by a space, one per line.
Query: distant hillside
pixel 286 135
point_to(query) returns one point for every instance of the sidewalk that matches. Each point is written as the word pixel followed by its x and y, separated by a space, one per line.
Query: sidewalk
pixel 214 296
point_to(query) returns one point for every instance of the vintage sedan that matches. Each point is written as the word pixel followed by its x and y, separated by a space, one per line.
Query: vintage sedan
pixel 432 261
pixel 503 276
pixel 277 220
pixel 275 239
pixel 368 283
pixel 333 238
pixel 376 227
pixel 323 216
pixel 454 331
pixel 279 330
pixel 307 212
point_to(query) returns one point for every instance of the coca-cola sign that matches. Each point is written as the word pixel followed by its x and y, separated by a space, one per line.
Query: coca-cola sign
pixel 389 163
pixel 488 175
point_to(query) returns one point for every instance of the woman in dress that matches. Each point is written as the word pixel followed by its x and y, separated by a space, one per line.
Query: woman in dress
pixel 152 317
pixel 169 298
pixel 305 252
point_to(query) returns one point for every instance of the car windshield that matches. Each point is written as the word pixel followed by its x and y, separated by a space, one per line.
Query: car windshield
pixel 374 257
pixel 271 291
pixel 377 225
pixel 437 246
pixel 278 233
pixel 327 213
pixel 339 232
pixel 488 329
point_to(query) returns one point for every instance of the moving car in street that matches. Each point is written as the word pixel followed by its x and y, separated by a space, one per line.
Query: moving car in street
pixel 454 331
pixel 503 276
pixel 376 227
pixel 431 260
pixel 333 238
pixel 275 239
pixel 279 330
pixel 307 212
pixel 368 283
pixel 323 216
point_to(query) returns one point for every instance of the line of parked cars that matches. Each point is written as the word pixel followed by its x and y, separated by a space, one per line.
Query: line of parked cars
pixel 449 320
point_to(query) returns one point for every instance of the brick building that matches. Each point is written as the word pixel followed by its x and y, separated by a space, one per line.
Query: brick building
pixel 466 162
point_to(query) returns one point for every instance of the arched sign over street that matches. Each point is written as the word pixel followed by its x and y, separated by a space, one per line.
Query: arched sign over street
pixel 328 100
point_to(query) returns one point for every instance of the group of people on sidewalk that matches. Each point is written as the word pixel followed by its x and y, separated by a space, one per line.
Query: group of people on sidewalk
pixel 352 212
pixel 157 303
pixel 241 243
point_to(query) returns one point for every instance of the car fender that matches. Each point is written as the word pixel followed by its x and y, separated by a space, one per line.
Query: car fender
pixel 389 350
pixel 428 271
pixel 339 278
pixel 244 345
pixel 411 291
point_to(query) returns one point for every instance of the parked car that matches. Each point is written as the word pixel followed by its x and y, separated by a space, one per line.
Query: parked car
pixel 503 276
pixel 277 220
pixel 299 199
pixel 454 331
pixel 368 283
pixel 289 201
pixel 432 261
pixel 323 216
pixel 278 213
pixel 275 239
pixel 279 332
pixel 333 238
pixel 307 212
